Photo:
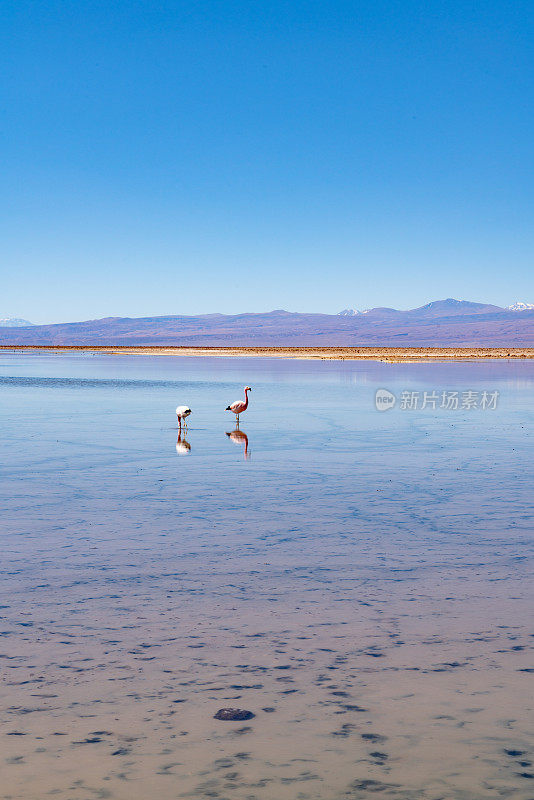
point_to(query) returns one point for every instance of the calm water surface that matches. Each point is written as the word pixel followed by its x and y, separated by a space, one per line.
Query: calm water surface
pixel 360 581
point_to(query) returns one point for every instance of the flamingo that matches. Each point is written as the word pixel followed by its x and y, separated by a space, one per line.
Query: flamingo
pixel 182 412
pixel 239 405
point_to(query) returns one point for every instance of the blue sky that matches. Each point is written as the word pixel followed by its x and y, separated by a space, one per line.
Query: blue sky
pixel 180 158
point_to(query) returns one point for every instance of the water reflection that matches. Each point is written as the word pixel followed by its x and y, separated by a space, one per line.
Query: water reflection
pixel 238 436
pixel 183 448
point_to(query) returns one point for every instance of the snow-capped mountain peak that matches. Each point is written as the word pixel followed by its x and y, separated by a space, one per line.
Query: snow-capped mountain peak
pixel 349 312
pixel 519 306
pixel 14 322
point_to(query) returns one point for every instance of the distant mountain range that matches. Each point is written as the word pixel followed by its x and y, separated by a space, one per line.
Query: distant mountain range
pixel 440 323
pixel 451 305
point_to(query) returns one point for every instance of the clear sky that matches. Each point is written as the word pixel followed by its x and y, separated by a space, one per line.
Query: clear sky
pixel 188 157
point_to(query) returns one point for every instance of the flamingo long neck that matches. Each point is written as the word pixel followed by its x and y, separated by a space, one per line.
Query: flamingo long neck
pixel 246 399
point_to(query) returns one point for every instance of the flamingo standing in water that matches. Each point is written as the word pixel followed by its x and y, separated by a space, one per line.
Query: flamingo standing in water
pixel 182 412
pixel 239 405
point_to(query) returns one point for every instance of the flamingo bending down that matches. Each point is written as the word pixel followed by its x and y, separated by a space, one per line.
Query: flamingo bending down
pixel 240 405
pixel 182 412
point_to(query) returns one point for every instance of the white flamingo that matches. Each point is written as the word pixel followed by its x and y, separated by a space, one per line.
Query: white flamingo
pixel 239 406
pixel 182 412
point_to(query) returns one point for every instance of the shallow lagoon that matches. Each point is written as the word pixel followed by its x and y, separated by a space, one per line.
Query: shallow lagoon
pixel 361 582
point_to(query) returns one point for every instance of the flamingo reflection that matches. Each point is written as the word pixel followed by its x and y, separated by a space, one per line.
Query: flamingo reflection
pixel 238 436
pixel 183 448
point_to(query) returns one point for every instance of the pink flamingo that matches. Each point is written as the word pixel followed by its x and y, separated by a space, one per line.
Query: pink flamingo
pixel 240 405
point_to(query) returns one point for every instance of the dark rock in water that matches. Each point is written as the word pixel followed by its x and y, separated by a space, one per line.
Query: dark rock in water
pixel 233 714
pixel 374 737
pixel 369 785
pixel 379 756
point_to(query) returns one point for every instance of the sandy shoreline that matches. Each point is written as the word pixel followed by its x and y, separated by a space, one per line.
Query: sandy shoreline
pixel 387 354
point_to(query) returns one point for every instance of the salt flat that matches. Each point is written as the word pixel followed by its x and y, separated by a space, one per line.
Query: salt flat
pixel 387 354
